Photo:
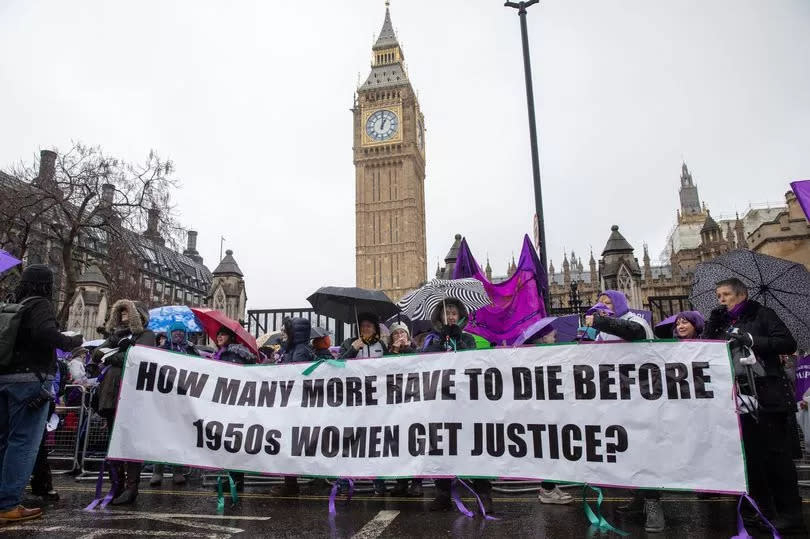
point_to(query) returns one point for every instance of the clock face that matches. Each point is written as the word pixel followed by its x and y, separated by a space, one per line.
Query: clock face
pixel 382 125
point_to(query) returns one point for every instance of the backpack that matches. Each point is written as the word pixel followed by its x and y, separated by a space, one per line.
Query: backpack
pixel 11 315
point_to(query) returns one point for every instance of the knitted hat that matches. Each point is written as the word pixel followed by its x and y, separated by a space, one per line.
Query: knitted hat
pixel 37 273
pixel 397 326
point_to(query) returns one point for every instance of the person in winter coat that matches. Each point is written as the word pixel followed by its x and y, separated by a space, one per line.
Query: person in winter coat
pixel 178 340
pixel 401 344
pixel 772 478
pixel 687 325
pixel 619 323
pixel 321 346
pixel 231 351
pixel 126 327
pixel 296 345
pixel 623 324
pixel 25 388
pixel 449 319
pixel 400 340
pixel 368 344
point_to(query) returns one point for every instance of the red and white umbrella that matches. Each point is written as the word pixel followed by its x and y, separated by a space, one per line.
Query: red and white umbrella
pixel 212 320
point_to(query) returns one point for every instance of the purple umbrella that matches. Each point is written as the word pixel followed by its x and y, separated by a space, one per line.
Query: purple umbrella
pixel 566 327
pixel 7 261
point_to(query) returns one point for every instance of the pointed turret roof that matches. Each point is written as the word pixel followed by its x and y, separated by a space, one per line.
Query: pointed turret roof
pixel 709 224
pixel 228 266
pixel 616 243
pixel 387 37
pixel 452 254
pixel 92 275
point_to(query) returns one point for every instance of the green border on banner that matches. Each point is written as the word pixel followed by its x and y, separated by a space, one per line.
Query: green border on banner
pixel 485 477
pixel 739 419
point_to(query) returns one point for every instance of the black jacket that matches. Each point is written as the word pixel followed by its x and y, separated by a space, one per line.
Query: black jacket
pixel 626 330
pixel 185 348
pixel 38 337
pixel 449 339
pixel 771 338
pixel 236 353
pixel 297 348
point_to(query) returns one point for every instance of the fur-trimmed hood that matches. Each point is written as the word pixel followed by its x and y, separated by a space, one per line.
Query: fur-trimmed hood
pixel 138 316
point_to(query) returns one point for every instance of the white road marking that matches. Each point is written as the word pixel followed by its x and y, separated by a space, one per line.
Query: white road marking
pixel 181 515
pixel 92 533
pixel 376 525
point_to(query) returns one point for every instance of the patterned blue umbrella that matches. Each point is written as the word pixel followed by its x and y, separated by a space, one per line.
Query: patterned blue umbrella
pixel 162 318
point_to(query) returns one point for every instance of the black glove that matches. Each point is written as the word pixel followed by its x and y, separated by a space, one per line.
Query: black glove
pixel 718 314
pixel 125 343
pixel 454 332
pixel 738 337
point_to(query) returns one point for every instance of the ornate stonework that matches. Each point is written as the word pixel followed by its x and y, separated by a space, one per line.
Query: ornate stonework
pixel 389 159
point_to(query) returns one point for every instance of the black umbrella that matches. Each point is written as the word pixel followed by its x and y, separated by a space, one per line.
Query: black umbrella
pixel 345 303
pixel 780 284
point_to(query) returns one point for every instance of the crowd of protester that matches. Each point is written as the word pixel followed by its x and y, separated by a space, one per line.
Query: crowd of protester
pixel 31 376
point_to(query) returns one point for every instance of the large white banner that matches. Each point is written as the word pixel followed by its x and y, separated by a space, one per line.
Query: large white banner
pixel 658 414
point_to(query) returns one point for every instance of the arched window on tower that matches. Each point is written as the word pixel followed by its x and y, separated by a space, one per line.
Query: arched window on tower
pixel 624 280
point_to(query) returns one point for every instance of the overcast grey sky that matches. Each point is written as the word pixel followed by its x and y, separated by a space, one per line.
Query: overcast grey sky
pixel 251 100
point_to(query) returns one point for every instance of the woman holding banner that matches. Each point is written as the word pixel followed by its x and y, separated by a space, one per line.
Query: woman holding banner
pixel 449 319
pixel 615 321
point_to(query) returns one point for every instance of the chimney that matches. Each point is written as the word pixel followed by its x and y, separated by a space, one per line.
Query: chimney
pixel 47 169
pixel 191 247
pixel 107 192
pixel 152 226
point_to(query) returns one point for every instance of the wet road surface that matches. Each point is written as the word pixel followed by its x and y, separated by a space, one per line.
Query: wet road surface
pixel 190 511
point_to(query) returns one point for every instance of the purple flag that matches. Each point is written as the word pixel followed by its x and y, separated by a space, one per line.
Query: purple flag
pixel 802 190
pixel 517 303
pixel 7 261
pixel 802 377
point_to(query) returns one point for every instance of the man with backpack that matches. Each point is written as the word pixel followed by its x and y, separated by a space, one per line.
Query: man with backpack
pixel 29 337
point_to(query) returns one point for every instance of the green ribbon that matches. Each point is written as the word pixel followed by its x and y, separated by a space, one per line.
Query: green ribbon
pixel 596 519
pixel 220 495
pixel 339 363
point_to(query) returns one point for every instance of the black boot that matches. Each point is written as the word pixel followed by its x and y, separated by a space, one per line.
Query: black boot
pixel 636 506
pixel 133 479
pixel 289 488
pixel 441 502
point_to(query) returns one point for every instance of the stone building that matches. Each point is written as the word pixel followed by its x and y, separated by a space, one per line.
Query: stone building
pixel 389 159
pixel 786 236
pixel 228 288
pixel 141 264
pixel 697 236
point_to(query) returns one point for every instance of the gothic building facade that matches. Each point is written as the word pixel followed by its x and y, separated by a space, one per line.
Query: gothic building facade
pixel 389 159
pixel 141 265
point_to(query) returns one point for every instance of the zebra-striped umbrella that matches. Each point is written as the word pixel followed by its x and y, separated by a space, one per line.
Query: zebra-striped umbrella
pixel 420 304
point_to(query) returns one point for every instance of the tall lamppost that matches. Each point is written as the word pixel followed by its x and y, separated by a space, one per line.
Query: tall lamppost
pixel 538 193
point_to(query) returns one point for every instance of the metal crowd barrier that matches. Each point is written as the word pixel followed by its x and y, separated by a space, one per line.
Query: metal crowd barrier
pixel 62 444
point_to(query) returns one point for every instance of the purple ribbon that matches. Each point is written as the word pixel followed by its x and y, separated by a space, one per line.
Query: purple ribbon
pixel 742 533
pixel 98 501
pixel 333 494
pixel 460 505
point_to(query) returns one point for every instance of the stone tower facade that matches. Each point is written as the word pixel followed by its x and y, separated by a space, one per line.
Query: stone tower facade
pixel 389 159
pixel 228 288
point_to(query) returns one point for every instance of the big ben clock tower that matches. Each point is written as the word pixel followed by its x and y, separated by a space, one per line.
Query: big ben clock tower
pixel 389 159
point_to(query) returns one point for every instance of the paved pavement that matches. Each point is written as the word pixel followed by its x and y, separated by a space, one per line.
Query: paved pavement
pixel 190 511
